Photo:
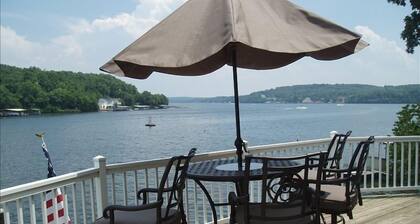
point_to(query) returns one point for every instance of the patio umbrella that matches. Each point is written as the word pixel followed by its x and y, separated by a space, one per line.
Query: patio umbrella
pixel 203 35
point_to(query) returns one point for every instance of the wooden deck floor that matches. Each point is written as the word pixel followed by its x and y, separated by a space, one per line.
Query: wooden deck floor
pixel 387 210
pixel 404 209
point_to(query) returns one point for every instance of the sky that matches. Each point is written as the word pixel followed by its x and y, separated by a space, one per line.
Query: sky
pixel 81 35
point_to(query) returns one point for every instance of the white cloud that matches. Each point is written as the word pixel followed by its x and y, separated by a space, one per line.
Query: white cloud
pixel 146 14
pixel 11 42
pixel 63 52
pixel 381 45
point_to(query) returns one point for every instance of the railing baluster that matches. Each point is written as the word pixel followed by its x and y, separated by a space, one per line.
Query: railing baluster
pixel 147 181
pixel 73 195
pixel 409 165
pixel 380 147
pixel 125 187
pixel 372 167
pixel 187 198
pixel 43 208
pixel 19 209
pixel 219 186
pixel 92 202
pixel 212 193
pixel 365 176
pixel 395 147
pixel 136 187
pixel 54 199
pixel 195 204
pixel 113 189
pixel 66 202
pixel 251 188
pixel 167 185
pixel 32 212
pixel 83 201
pixel 6 213
pixel 416 168
pixel 402 165
pixel 203 198
pixel 157 177
pixel 387 154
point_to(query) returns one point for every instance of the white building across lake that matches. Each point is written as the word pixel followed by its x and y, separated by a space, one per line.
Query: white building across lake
pixel 106 104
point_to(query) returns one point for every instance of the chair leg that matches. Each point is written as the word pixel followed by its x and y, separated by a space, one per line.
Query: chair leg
pixel 350 214
pixel 359 195
pixel 333 218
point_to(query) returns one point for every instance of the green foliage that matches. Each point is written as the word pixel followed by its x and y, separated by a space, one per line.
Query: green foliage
pixel 55 91
pixel 411 32
pixel 339 93
pixel 408 122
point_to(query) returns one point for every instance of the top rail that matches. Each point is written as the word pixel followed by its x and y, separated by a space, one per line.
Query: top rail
pixel 24 190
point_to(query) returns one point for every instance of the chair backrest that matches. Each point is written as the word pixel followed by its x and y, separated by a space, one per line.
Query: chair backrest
pixel 284 187
pixel 357 164
pixel 174 175
pixel 338 142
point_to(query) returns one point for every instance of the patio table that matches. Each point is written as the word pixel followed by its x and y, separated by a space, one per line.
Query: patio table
pixel 225 170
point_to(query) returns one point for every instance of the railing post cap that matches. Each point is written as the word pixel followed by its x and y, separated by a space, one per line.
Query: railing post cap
pixel 99 158
pixel 332 133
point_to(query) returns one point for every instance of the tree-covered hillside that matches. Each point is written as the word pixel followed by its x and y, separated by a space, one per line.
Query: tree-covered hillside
pixel 324 93
pixel 54 91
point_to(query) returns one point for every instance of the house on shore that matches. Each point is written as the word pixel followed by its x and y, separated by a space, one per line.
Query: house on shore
pixel 16 112
pixel 109 104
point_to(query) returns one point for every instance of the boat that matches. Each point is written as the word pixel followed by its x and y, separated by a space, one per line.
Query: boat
pixel 301 108
pixel 150 123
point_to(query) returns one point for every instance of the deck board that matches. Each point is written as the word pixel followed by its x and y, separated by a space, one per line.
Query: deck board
pixel 386 210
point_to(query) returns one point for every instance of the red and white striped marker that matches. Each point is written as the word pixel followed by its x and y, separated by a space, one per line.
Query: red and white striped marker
pixel 55 208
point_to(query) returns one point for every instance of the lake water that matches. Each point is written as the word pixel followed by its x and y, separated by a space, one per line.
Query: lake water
pixel 74 139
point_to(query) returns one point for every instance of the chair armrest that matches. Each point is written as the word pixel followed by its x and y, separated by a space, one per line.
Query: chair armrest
pixel 335 181
pixel 325 159
pixel 150 190
pixel 109 210
pixel 336 170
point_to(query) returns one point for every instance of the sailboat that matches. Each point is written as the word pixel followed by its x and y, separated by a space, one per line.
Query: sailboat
pixel 150 123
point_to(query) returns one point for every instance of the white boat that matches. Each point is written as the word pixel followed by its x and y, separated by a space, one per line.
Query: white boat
pixel 150 123
pixel 301 108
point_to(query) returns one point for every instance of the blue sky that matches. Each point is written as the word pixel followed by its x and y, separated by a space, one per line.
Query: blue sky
pixel 82 35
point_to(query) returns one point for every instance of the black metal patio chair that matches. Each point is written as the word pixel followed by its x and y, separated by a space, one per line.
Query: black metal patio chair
pixel 335 154
pixel 155 212
pixel 340 195
pixel 285 194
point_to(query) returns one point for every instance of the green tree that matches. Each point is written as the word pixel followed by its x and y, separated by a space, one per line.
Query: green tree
pixel 411 32
pixel 8 99
pixel 55 91
pixel 408 121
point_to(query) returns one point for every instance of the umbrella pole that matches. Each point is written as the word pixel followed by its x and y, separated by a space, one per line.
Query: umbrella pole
pixel 238 141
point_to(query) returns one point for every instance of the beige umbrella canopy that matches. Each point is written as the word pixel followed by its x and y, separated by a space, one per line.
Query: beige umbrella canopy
pixel 203 35
pixel 198 37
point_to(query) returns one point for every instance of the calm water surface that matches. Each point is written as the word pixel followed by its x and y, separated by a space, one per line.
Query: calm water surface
pixel 74 139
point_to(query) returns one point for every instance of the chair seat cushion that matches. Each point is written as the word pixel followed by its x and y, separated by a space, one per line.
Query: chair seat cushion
pixel 274 211
pixel 141 217
pixel 333 199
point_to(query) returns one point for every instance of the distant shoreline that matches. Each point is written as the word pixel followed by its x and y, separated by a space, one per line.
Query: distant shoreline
pixel 321 93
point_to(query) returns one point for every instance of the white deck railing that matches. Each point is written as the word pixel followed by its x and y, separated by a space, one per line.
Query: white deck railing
pixel 393 165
